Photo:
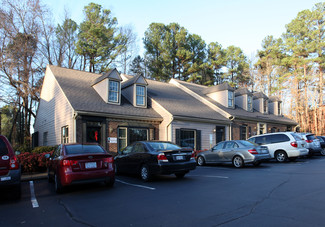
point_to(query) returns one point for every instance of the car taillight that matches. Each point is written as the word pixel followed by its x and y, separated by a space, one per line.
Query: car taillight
pixel 162 157
pixel 294 144
pixel 14 163
pixel 69 162
pixel 193 155
pixel 108 162
pixel 309 141
pixel 253 151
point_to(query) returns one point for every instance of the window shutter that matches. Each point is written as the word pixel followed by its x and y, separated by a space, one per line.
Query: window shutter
pixel 198 140
pixel 178 137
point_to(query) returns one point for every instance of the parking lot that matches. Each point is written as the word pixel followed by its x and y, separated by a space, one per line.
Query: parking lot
pixel 273 194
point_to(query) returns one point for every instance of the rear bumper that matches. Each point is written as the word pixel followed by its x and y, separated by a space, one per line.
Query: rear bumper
pixel 83 177
pixel 262 157
pixel 171 168
pixel 11 179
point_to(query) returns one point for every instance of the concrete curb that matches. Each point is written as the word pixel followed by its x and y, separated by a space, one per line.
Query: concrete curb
pixel 33 176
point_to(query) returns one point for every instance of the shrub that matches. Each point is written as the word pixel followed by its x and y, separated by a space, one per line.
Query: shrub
pixel 42 149
pixel 33 162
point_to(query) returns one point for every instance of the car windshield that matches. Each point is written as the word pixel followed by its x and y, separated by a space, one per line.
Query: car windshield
pixel 161 146
pixel 83 149
pixel 246 143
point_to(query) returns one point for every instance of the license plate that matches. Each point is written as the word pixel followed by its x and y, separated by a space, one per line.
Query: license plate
pixel 179 157
pixel 5 178
pixel 90 165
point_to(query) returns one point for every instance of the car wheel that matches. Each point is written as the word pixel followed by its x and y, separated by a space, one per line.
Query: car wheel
pixel 144 173
pixel 322 152
pixel 57 184
pixel 200 161
pixel 238 161
pixel 180 175
pixel 281 156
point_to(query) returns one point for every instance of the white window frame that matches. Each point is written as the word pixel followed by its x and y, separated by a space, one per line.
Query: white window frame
pixel 65 134
pixel 249 104
pixel 142 96
pixel 118 92
pixel 232 100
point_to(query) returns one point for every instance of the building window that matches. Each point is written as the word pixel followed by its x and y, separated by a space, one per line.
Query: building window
pixel 65 134
pixel 230 99
pixel 93 132
pixel 261 128
pixel 45 138
pixel 265 102
pixel 122 138
pixel 127 136
pixel 249 103
pixel 113 92
pixel 243 132
pixel 140 95
pixel 189 138
pixel 279 108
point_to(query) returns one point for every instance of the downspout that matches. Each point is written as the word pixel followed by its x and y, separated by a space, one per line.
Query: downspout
pixel 171 120
pixel 231 118
pixel 74 125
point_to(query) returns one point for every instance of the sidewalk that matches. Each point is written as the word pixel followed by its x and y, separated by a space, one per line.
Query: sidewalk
pixel 33 176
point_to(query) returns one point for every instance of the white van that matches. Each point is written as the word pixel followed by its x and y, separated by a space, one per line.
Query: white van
pixel 282 145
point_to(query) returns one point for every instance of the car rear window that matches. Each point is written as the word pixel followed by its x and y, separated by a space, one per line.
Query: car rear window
pixel 3 148
pixel 83 149
pixel 246 143
pixel 161 146
pixel 310 137
pixel 296 136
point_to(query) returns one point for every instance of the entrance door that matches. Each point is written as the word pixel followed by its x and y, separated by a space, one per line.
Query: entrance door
pixel 220 133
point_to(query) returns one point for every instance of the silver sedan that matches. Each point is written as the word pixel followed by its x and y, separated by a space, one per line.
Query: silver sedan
pixel 237 152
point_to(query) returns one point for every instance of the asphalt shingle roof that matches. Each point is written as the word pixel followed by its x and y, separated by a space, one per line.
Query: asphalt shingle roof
pixel 239 112
pixel 77 86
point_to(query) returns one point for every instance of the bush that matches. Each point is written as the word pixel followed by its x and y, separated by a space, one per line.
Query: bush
pixel 33 162
pixel 39 150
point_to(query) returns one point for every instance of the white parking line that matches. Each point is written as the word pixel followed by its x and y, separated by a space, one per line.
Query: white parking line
pixel 223 177
pixel 136 185
pixel 32 195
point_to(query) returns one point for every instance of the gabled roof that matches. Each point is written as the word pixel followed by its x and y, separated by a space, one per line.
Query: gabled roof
pixel 242 91
pixel 216 88
pixel 134 80
pixel 77 87
pixel 238 112
pixel 112 74
pixel 257 95
pixel 274 99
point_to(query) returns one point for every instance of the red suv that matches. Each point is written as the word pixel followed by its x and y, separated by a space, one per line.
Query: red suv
pixel 10 170
pixel 80 163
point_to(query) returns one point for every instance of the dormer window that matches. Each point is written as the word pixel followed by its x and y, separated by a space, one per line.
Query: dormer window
pixel 140 95
pixel 113 92
pixel 230 99
pixel 265 104
pixel 279 108
pixel 249 103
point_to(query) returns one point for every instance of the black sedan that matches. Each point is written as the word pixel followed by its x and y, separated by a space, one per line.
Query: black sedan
pixel 149 158
pixel 322 144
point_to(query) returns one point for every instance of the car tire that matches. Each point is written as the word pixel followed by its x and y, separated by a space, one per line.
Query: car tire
pixel 57 184
pixel 281 156
pixel 180 175
pixel 200 161
pixel 145 173
pixel 238 161
pixel 322 152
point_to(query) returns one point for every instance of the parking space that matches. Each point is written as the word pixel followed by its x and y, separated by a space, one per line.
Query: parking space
pixel 219 195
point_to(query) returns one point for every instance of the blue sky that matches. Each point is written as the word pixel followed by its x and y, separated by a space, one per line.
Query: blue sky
pixel 229 22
